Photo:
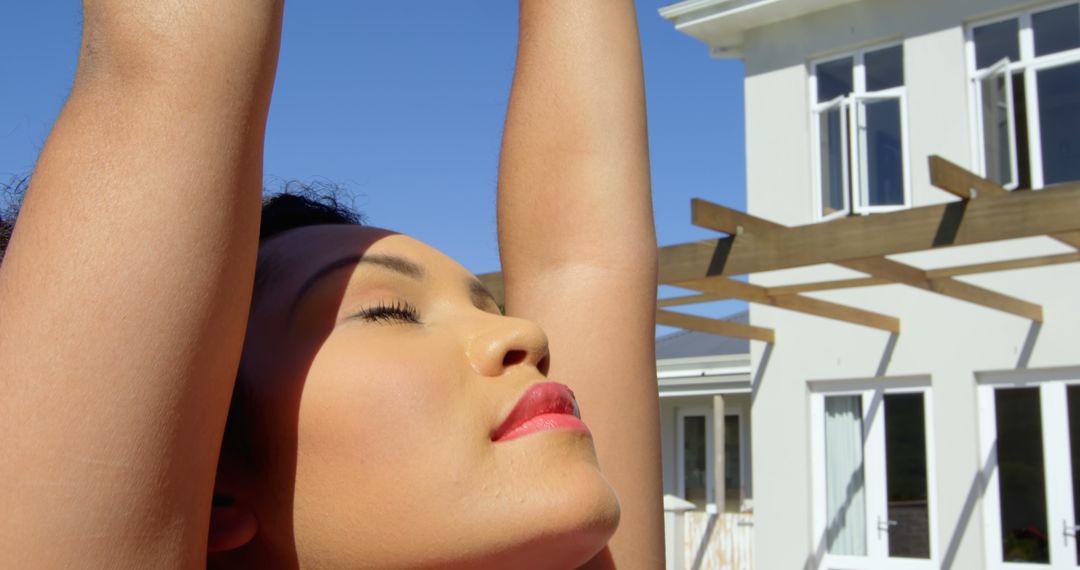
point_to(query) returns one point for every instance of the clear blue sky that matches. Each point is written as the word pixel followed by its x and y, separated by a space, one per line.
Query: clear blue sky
pixel 402 103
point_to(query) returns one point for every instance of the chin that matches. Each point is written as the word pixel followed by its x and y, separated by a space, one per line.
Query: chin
pixel 567 531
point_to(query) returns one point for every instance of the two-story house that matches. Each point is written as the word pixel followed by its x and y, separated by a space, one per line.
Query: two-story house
pixel 954 443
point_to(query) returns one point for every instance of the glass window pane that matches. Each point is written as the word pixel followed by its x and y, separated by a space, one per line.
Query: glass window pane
pixel 996 41
pixel 905 463
pixel 1021 476
pixel 834 78
pixel 997 139
pixel 1023 149
pixel 884 68
pixel 1059 121
pixel 732 465
pixel 695 461
pixel 1074 453
pixel 845 490
pixel 884 153
pixel 1056 30
pixel 832 161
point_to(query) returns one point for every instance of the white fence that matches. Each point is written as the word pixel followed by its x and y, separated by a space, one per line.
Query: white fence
pixel 701 540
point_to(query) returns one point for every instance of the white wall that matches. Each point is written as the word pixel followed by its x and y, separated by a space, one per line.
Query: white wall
pixel 947 339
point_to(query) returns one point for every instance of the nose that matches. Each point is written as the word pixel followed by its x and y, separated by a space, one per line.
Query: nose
pixel 503 343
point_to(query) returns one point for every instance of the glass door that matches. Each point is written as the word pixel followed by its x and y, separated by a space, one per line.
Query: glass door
pixel 1031 435
pixel 873 506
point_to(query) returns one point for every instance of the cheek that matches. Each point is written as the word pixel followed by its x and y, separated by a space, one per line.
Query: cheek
pixel 372 405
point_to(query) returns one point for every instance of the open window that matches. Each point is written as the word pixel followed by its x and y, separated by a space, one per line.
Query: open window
pixel 859 123
pixel 1025 88
pixel 997 112
pixel 833 158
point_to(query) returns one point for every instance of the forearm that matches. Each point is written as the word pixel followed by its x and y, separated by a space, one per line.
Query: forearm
pixel 124 293
pixel 577 241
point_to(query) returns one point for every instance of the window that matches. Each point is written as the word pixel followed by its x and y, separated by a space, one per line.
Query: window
pixel 695 458
pixel 859 118
pixel 1030 432
pixel 872 472
pixel 1025 75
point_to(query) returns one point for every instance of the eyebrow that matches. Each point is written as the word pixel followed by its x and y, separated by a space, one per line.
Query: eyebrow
pixel 394 263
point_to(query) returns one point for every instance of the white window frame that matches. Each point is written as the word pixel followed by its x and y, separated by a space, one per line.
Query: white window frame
pixel 1028 65
pixel 875 474
pixel 1051 384
pixel 999 68
pixel 855 189
pixel 710 452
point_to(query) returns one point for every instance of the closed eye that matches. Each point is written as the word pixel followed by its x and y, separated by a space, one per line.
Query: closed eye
pixel 389 312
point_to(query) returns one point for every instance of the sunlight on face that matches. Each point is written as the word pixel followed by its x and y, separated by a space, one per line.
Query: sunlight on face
pixel 383 370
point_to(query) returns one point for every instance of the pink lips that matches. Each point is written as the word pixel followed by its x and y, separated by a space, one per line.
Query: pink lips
pixel 544 406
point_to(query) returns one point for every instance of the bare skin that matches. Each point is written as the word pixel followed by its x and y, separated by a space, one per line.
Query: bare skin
pixel 124 301
pixel 577 242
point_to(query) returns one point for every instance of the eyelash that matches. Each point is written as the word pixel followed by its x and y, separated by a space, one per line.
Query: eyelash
pixel 394 311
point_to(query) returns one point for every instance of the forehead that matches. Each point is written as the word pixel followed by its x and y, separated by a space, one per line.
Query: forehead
pixel 287 261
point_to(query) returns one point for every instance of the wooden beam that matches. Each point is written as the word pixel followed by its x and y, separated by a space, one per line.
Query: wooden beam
pixel 1071 239
pixel 729 288
pixel 915 277
pixel 1040 261
pixel 826 286
pixel 714 326
pixel 930 227
pixel 834 311
pixel 690 300
pixel 758 294
pixel 886 269
pixel 987 298
pixel 960 182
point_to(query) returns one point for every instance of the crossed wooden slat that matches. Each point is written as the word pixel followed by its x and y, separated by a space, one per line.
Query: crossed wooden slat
pixel 986 212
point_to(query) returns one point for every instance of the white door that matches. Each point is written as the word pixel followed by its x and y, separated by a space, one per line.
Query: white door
pixel 873 478
pixel 1030 429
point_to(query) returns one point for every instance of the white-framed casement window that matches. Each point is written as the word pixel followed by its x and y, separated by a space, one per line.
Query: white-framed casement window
pixel 1029 424
pixel 858 124
pixel 873 468
pixel 695 457
pixel 1025 89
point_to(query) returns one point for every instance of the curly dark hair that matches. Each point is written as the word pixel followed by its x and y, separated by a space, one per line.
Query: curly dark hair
pixel 304 204
pixel 11 196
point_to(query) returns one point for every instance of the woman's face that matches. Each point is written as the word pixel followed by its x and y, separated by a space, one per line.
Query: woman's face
pixel 382 371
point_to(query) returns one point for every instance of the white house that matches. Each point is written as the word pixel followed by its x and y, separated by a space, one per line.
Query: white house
pixel 705 390
pixel 954 443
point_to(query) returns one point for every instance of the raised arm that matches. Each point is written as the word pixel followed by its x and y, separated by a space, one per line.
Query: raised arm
pixel 577 241
pixel 124 294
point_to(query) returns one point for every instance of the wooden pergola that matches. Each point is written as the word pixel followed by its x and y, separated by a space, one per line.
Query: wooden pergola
pixel 985 212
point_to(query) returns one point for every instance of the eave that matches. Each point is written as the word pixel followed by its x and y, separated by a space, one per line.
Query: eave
pixel 722 24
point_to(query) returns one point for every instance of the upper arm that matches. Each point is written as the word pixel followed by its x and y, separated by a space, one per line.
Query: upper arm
pixel 123 299
pixel 577 240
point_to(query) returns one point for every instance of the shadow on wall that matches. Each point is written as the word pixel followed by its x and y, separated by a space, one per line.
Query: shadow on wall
pixel 1029 344
pixel 975 494
pixel 759 374
pixel 886 355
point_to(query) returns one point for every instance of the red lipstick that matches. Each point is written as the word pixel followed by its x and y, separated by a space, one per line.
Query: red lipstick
pixel 544 406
